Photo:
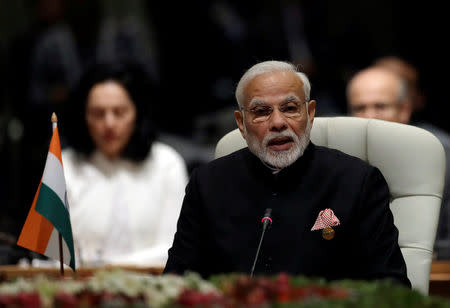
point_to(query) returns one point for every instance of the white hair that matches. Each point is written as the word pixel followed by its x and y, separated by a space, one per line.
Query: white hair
pixel 270 67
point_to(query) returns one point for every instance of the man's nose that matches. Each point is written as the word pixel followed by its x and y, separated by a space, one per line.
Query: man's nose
pixel 110 119
pixel 277 121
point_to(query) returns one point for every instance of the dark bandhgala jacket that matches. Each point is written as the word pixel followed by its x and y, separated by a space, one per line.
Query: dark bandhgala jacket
pixel 219 227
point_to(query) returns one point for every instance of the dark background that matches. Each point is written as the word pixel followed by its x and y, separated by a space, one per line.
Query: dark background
pixel 195 53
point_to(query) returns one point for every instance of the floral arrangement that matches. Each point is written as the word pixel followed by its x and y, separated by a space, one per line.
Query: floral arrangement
pixel 122 289
pixel 113 288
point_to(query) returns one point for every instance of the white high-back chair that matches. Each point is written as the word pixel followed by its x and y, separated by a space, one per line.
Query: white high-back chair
pixel 412 161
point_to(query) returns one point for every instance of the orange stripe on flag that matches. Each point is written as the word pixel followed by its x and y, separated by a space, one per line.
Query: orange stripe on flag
pixel 55 146
pixel 36 231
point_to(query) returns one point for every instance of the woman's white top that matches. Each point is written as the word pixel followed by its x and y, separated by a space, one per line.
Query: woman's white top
pixel 122 212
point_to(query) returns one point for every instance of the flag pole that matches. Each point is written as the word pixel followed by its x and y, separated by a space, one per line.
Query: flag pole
pixel 54 120
pixel 61 260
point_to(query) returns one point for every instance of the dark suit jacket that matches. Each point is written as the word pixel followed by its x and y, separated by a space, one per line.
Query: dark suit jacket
pixel 220 222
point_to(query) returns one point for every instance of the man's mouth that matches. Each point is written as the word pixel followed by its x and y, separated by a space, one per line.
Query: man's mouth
pixel 280 143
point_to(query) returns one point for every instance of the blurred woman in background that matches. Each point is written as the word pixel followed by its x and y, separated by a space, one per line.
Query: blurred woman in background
pixel 125 189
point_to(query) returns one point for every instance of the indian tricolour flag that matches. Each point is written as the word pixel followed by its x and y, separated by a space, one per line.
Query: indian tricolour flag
pixel 49 213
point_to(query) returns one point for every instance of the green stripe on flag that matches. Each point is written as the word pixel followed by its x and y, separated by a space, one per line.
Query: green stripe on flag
pixel 50 206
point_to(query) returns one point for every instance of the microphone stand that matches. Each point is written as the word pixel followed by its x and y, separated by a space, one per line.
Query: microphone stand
pixel 266 221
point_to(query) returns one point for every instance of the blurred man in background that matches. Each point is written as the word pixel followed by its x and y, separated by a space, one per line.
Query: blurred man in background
pixel 388 90
pixel 379 94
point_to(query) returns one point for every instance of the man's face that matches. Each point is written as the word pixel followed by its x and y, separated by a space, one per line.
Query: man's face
pixel 375 94
pixel 110 117
pixel 280 137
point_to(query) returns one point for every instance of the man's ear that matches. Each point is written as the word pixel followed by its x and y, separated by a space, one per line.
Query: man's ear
pixel 240 121
pixel 405 111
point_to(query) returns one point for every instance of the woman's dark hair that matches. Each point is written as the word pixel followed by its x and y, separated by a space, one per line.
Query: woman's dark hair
pixel 142 93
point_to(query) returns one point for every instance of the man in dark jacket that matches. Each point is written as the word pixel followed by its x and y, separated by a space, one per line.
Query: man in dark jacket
pixel 330 211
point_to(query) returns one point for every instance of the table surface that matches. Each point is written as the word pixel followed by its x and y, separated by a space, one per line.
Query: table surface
pixel 12 271
pixel 440 278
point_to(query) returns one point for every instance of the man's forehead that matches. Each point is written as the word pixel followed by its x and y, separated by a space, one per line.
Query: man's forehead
pixel 285 98
pixel 275 85
pixel 375 79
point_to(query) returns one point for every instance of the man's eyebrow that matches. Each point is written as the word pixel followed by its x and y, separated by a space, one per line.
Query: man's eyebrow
pixel 256 102
pixel 291 98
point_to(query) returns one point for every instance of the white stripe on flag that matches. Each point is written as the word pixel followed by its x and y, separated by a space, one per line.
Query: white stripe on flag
pixel 54 176
pixel 52 249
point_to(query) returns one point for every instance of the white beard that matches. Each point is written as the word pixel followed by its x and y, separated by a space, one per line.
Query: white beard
pixel 279 159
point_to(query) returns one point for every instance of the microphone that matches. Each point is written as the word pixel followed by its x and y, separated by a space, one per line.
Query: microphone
pixel 266 221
